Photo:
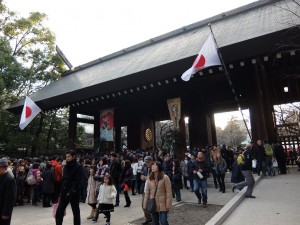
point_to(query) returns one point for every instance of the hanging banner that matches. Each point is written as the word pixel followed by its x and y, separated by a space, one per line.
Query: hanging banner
pixel 107 124
pixel 174 106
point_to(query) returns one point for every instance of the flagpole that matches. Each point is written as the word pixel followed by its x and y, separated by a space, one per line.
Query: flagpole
pixel 228 79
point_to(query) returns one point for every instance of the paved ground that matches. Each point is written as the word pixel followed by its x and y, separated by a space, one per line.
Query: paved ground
pixel 277 202
pixel 28 215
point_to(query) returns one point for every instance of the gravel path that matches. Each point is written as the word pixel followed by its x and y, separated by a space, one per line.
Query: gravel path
pixel 188 214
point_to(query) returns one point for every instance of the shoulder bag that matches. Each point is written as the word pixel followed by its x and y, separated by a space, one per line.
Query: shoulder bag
pixel 151 203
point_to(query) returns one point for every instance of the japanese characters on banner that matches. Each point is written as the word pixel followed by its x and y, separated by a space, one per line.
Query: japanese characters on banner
pixel 107 124
pixel 174 106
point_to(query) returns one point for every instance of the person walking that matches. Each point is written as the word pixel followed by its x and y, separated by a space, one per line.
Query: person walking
pixel 260 156
pixel 200 170
pixel 125 180
pixel 144 177
pixel 8 192
pixel 158 180
pixel 177 180
pixel 244 160
pixel 220 167
pixel 107 193
pixel 72 175
pixel 115 169
pixel 91 198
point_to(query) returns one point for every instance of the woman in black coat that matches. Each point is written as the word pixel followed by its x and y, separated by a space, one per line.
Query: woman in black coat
pixel 125 180
pixel 177 180
pixel 48 185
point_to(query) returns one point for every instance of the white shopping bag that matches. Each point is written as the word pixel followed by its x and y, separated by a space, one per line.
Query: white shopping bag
pixel 254 162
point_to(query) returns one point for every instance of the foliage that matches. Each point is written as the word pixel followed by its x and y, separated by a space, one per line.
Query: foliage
pixel 233 134
pixel 287 119
pixel 165 136
pixel 28 62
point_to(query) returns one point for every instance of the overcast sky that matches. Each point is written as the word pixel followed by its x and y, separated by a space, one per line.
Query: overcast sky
pixel 89 29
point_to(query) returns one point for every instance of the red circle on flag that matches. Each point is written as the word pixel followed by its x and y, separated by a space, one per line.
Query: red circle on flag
pixel 28 112
pixel 201 62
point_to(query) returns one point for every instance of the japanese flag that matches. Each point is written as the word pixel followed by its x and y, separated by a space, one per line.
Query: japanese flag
pixel 30 110
pixel 208 56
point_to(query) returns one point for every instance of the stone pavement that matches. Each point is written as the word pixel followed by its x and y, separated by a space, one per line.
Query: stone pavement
pixel 28 215
pixel 277 202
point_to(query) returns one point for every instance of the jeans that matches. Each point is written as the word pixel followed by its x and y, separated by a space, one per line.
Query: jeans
pixel 213 172
pixel 202 184
pixel 269 164
pixel 261 166
pixel 161 217
pixel 177 194
pixel 249 182
pixel 191 180
pixel 220 178
pixel 36 193
pixel 74 200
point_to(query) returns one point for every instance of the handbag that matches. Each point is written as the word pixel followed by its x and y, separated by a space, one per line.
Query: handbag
pixel 151 203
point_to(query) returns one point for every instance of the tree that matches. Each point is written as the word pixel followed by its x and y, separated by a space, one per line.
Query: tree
pixel 28 62
pixel 233 134
pixel 288 119
pixel 164 134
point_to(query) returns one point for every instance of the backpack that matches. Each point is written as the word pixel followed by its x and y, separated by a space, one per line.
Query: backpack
pixel 268 150
pixel 241 160
pixel 30 179
pixel 57 175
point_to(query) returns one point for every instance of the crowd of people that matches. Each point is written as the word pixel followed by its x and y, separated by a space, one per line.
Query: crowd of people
pixel 99 180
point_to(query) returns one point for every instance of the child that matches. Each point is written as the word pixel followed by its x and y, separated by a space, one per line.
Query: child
pixel 91 198
pixel 107 193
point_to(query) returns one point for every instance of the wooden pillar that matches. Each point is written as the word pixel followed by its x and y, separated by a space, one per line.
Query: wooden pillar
pixel 268 106
pixel 198 128
pixel 213 129
pixel 118 134
pixel 133 134
pixel 97 130
pixel 180 140
pixel 261 107
pixel 72 128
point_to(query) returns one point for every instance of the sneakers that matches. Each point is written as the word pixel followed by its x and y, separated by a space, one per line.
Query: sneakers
pixel 250 196
pixel 233 188
pixel 204 205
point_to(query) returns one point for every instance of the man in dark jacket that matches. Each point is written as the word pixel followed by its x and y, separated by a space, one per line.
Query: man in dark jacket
pixel 70 192
pixel 8 191
pixel 245 162
pixel 200 170
pixel 115 169
pixel 260 156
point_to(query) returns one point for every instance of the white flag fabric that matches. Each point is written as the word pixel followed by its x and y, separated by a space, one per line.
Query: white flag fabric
pixel 208 56
pixel 30 110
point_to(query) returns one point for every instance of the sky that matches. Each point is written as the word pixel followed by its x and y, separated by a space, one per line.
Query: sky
pixel 86 30
pixel 89 29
